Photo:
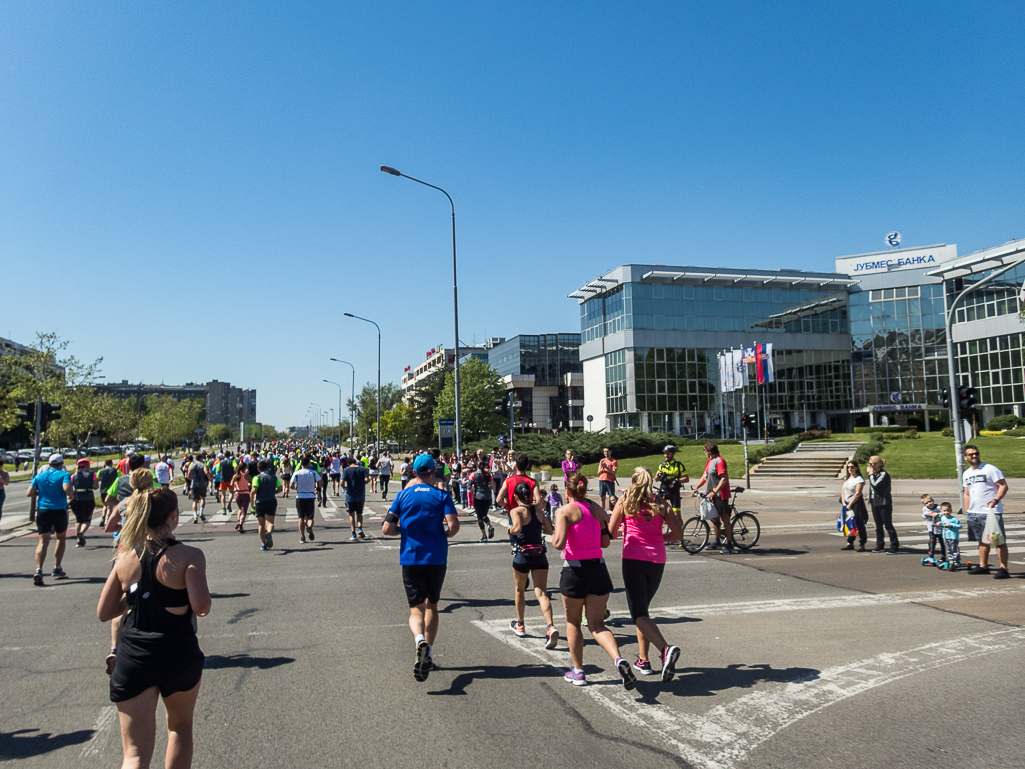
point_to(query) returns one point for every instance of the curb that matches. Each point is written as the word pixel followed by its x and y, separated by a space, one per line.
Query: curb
pixel 16 532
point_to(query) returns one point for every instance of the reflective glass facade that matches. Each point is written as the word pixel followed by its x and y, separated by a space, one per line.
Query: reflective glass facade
pixel 994 367
pixel 547 356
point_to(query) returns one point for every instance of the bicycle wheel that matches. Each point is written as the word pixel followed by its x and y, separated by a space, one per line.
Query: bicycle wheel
pixel 746 530
pixel 695 535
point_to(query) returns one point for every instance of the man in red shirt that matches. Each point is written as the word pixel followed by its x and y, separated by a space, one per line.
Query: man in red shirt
pixel 718 479
pixel 505 491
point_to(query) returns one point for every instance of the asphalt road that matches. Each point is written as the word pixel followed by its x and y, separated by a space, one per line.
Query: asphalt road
pixel 794 655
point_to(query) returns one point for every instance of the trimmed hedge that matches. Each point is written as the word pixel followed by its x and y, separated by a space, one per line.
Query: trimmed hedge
pixel 889 429
pixel 544 449
pixel 1004 422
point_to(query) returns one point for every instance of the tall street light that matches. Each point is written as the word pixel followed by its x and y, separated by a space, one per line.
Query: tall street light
pixel 455 298
pixel 377 449
pixel 353 401
pixel 339 409
pixel 316 416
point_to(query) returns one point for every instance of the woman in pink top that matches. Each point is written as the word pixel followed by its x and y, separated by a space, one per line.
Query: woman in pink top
pixel 644 560
pixel 581 532
pixel 569 466
pixel 240 484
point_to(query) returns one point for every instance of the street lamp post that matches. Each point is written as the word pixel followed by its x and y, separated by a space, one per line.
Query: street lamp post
pixel 316 417
pixel 353 401
pixel 339 409
pixel 455 298
pixel 377 449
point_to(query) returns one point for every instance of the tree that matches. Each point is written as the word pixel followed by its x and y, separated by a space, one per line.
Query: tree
pixel 364 408
pixel 46 372
pixel 479 386
pixel 169 422
pixel 396 424
pixel 423 400
pixel 218 433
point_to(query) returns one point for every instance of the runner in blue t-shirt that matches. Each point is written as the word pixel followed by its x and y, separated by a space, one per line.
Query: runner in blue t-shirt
pixel 53 490
pixel 419 514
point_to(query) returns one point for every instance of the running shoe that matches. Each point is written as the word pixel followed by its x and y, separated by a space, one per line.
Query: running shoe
pixel 421 663
pixel 352 537
pixel 59 573
pixel 270 541
pixel 552 639
pixel 644 666
pixel 202 517
pixel 575 677
pixel 483 539
pixel 879 550
pixel 979 570
pixel 360 534
pixel 491 531
pixel 309 533
pixel 263 547
pixel 669 657
pixel 37 579
pixel 195 519
pixel 81 541
pixel 728 550
pixel 1001 574
pixel 626 675
pixel 302 540
pixel 518 628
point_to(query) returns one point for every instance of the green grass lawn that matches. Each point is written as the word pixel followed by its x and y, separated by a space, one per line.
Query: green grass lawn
pixel 932 456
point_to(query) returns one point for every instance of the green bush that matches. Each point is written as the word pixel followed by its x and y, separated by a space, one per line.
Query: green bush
pixel 1004 422
pixel 881 429
pixel 911 434
pixel 1018 432
pixel 544 449
pixel 948 432
pixel 866 450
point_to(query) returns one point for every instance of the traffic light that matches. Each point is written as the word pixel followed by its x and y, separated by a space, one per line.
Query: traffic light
pixel 749 421
pixel 945 398
pixel 51 411
pixel 502 407
pixel 27 412
pixel 966 399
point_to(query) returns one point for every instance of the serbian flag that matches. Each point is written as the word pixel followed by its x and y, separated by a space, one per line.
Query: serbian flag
pixel 763 354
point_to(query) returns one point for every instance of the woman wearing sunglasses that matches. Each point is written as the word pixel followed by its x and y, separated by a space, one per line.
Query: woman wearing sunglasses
pixel 851 495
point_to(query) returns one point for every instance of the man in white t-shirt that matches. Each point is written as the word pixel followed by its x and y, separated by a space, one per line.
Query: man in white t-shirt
pixel 984 487
pixel 306 482
pixel 162 472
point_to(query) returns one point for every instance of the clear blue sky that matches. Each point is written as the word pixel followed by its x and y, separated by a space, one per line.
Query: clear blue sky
pixel 191 190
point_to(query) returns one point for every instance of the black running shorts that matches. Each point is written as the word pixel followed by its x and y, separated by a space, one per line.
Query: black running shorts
pixel 135 671
pixel 355 507
pixel 83 509
pixel 198 493
pixel 267 509
pixel 591 577
pixel 305 508
pixel 423 583
pixel 55 521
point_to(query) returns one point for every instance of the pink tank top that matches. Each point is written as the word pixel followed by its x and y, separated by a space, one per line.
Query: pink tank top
pixel 583 538
pixel 642 540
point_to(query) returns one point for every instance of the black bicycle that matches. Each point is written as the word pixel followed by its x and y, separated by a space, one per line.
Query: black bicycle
pixel 746 529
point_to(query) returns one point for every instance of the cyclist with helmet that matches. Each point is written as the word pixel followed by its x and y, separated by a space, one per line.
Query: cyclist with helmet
pixel 672 475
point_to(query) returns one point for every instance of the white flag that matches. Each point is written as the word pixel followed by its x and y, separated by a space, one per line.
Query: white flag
pixel 724 374
pixel 740 377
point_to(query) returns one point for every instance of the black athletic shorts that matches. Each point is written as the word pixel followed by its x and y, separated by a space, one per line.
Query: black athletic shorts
pixel 591 577
pixel 641 580
pixel 198 493
pixel 355 507
pixel 266 509
pixel 138 669
pixel 336 476
pixel 305 508
pixel 51 520
pixel 83 509
pixel 526 565
pixel 423 583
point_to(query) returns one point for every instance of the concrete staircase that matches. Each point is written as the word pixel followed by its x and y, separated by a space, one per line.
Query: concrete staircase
pixel 819 460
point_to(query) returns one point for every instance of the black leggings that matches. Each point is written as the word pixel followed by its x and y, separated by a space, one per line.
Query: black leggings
pixel 641 580
pixel 882 517
pixel 481 508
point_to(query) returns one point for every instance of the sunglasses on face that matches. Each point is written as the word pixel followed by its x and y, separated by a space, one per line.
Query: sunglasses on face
pixel 971 455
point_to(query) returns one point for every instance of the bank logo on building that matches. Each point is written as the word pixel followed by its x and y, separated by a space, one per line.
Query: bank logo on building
pixel 890 261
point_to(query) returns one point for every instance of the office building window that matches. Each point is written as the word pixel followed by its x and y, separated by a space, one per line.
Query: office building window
pixel 615 382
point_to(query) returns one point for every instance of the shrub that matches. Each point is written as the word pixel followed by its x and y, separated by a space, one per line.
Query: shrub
pixel 948 432
pixel 881 429
pixel 1018 432
pixel 866 450
pixel 1004 422
pixel 911 434
pixel 991 432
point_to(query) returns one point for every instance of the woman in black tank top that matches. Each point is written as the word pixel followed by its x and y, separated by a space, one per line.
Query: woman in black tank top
pixel 527 530
pixel 158 654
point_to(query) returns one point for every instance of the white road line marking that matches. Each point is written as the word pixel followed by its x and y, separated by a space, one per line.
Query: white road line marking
pixel 729 733
pixel 105 721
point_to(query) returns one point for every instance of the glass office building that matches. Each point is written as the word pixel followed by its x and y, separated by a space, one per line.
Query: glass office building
pixel 862 346
pixel 546 373
pixel 651 336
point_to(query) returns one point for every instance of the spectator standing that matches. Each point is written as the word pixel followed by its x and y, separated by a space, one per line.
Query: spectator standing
pixel 851 496
pixel 569 466
pixel 882 505
pixel 607 468
pixel 984 488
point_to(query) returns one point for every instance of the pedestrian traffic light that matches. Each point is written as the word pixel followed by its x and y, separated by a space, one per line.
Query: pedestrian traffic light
pixel 51 411
pixel 749 421
pixel 945 398
pixel 502 407
pixel 966 399
pixel 27 412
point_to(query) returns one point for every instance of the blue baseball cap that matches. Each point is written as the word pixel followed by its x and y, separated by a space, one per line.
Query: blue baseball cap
pixel 424 464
